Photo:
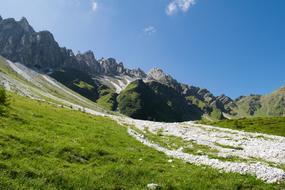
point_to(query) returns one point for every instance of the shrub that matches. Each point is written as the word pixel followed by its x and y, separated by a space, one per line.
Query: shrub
pixel 3 100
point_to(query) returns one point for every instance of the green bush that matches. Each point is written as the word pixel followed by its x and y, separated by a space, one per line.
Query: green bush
pixel 3 100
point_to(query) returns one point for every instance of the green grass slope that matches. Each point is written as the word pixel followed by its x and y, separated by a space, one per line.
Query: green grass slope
pixel 78 81
pixel 155 101
pixel 107 98
pixel 268 105
pixel 267 125
pixel 48 147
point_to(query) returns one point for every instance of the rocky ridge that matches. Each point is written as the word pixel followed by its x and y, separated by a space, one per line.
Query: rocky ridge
pixel 39 50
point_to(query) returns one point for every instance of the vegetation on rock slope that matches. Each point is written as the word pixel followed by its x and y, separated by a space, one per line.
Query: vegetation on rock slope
pixel 40 150
pixel 3 100
pixel 155 101
pixel 256 105
pixel 107 98
pixel 78 81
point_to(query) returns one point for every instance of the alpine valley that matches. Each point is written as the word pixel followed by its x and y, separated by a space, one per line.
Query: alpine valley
pixel 73 121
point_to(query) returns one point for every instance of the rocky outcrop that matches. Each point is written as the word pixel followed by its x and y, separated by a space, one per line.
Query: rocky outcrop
pixel 88 63
pixel 158 75
pixel 138 73
pixel 39 50
pixel 111 67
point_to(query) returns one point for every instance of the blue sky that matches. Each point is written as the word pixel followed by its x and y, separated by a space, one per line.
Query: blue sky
pixel 236 47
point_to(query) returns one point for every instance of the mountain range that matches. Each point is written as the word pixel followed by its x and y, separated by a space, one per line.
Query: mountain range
pixel 152 96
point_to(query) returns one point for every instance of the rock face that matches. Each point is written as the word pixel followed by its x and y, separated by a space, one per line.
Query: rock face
pixel 20 43
pixel 158 75
pixel 111 67
pixel 138 73
pixel 88 63
pixel 39 50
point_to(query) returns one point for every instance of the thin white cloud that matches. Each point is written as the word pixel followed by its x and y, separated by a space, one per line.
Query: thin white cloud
pixel 176 5
pixel 94 5
pixel 171 8
pixel 150 30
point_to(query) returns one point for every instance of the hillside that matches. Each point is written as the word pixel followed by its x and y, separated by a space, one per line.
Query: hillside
pixel 155 101
pixel 40 150
pixel 267 125
pixel 267 105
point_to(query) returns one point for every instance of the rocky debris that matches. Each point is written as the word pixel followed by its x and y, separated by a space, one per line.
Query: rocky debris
pixel 260 170
pixel 229 143
pixel 247 145
pixel 153 186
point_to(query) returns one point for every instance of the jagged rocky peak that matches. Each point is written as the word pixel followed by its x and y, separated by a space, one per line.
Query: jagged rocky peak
pixel 25 25
pixel 110 66
pixel 45 36
pixel 224 99
pixel 138 73
pixel 88 57
pixel 1 18
pixel 20 43
pixel 157 74
pixel 88 63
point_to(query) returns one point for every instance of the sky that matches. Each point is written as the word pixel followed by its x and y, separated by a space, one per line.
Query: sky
pixel 235 47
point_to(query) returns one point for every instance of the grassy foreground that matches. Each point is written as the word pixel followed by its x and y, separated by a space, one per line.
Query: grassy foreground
pixel 47 147
pixel 267 125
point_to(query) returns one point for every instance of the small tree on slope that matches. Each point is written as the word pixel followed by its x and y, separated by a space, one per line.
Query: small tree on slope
pixel 3 100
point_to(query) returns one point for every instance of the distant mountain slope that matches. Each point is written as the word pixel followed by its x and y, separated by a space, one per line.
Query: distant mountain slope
pixel 268 105
pixel 27 82
pixel 78 81
pixel 154 101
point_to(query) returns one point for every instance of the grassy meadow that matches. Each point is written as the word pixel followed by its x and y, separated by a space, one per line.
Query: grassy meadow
pixel 47 147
